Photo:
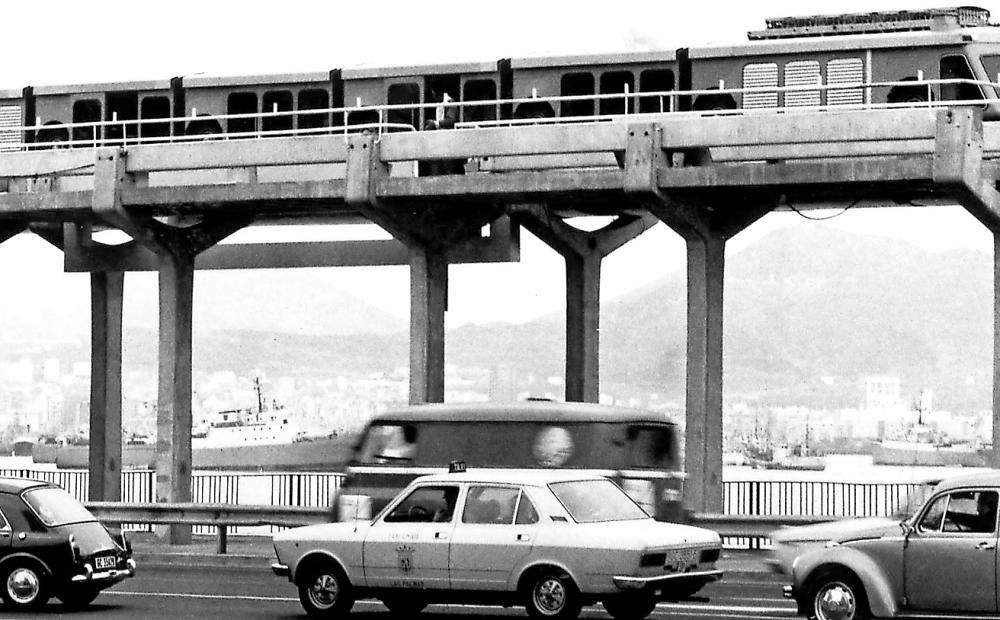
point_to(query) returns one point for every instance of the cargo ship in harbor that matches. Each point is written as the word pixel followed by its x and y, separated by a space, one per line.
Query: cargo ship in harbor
pixel 264 437
pixel 918 444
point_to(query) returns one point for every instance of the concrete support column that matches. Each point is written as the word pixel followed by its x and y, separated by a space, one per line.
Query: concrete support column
pixel 703 435
pixel 428 302
pixel 105 457
pixel 173 408
pixel 583 327
pixel 583 252
pixel 996 348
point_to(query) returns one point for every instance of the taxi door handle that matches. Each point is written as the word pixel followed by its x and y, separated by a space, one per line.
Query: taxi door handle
pixel 986 546
pixel 441 535
pixel 524 537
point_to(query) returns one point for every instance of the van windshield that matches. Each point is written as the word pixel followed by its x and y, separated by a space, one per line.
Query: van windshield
pixel 591 445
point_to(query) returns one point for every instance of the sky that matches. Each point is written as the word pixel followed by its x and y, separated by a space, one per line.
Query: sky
pixel 114 40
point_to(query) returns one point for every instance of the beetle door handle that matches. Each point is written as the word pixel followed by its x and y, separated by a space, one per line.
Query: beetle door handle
pixel 524 537
pixel 986 546
pixel 441 535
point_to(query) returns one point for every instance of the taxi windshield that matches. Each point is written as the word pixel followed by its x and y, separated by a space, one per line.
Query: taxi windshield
pixel 592 501
pixel 55 506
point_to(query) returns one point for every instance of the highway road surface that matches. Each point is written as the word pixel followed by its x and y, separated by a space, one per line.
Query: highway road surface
pixel 176 592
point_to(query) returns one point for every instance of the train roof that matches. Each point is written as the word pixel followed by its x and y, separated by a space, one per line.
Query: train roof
pixel 594 59
pixel 256 80
pixel 361 73
pixel 11 93
pixel 101 87
pixel 846 43
pixel 526 411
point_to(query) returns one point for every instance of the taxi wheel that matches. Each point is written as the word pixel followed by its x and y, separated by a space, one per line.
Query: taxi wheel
pixel 404 606
pixel 325 592
pixel 25 587
pixel 78 597
pixel 838 596
pixel 553 596
pixel 625 607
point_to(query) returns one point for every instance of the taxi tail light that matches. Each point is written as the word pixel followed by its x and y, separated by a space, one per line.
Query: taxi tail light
pixel 708 556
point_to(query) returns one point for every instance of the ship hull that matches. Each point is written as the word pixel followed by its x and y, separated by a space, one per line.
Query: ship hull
pixel 325 454
pixel 900 453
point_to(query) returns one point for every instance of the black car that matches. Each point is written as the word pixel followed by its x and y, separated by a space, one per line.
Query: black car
pixel 51 545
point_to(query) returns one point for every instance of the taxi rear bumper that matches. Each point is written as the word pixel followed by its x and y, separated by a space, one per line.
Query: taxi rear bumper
pixel 637 583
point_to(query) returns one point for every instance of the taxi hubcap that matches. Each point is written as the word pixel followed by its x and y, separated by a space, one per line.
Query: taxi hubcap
pixel 23 585
pixel 835 601
pixel 324 590
pixel 550 596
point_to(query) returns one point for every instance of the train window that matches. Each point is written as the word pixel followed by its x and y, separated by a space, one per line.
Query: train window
pixel 845 71
pixel 480 90
pixel 313 99
pixel 123 107
pixel 760 75
pixel 576 84
pixel 86 111
pixel 653 81
pixel 404 94
pixel 617 82
pixel 802 73
pixel 242 103
pixel 277 101
pixel 154 108
pixel 957 68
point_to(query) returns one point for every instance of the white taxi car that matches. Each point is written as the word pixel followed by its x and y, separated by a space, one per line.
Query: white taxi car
pixel 550 540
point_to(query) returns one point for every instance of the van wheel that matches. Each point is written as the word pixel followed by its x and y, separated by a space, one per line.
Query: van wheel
pixel 325 592
pixel 838 595
pixel 553 596
pixel 25 587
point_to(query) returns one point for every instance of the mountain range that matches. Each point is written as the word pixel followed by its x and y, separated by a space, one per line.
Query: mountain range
pixel 809 313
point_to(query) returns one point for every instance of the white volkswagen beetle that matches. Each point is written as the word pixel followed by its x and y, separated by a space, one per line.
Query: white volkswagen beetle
pixel 550 540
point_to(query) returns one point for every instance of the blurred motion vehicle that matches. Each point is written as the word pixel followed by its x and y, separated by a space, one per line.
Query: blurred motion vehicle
pixel 550 540
pixel 941 559
pixel 51 545
pixel 637 449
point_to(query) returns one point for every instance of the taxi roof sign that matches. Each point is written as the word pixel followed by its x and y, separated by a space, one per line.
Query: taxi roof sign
pixel 456 467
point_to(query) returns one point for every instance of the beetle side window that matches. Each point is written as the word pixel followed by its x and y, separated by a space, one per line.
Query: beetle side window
pixel 931 521
pixel 971 511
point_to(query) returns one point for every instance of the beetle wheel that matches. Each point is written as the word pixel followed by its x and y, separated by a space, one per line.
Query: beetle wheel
pixel 553 596
pixel 25 587
pixel 838 596
pixel 325 592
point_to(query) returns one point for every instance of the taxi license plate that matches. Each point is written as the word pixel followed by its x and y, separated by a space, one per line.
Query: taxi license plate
pixel 680 559
pixel 104 562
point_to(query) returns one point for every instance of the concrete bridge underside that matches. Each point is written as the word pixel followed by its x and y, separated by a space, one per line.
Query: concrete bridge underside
pixel 706 178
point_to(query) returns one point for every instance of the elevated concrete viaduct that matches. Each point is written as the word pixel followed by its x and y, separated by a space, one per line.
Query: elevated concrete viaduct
pixel 706 177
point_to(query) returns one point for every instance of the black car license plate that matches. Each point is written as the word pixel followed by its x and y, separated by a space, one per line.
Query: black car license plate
pixel 104 562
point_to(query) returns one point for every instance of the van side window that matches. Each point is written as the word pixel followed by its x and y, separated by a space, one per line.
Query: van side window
pixel 652 446
pixel 388 443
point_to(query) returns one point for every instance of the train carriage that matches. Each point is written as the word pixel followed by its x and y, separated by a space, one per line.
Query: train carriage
pixel 100 114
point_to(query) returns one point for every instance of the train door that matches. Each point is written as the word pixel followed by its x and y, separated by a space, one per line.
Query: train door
pixel 277 105
pixel 439 90
pixel 86 115
pixel 239 104
pixel 404 93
